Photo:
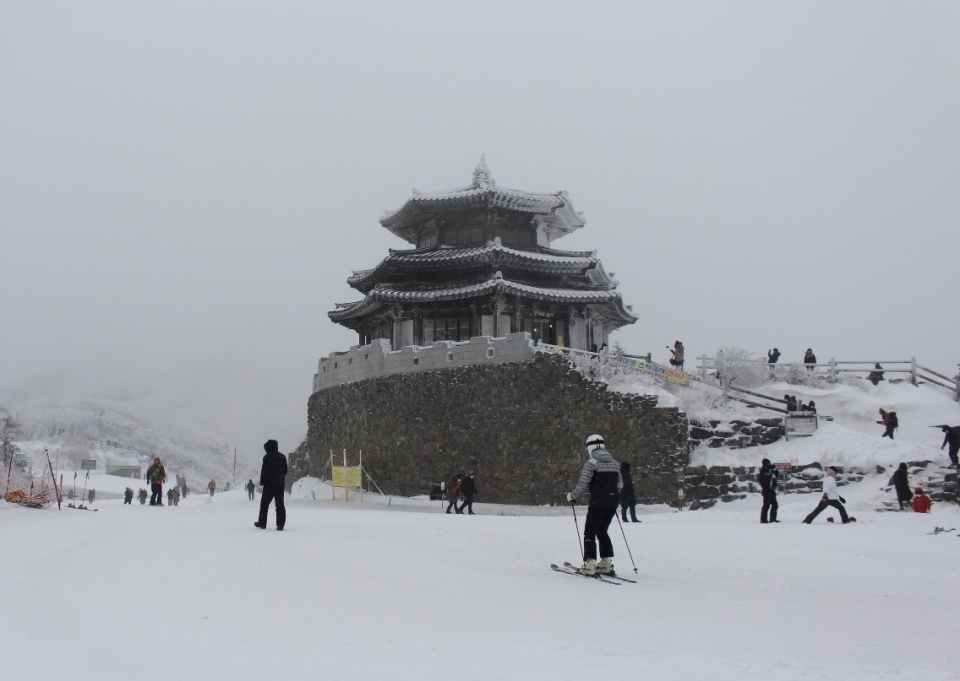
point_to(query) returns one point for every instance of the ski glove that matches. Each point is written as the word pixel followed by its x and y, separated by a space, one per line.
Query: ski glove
pixel 842 500
pixel 570 498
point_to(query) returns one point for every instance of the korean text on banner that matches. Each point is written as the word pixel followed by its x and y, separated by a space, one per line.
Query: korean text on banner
pixel 672 375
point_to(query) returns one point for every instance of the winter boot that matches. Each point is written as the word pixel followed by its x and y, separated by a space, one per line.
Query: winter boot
pixel 605 566
pixel 589 567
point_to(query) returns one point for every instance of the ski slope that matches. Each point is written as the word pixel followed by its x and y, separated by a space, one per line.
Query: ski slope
pixel 396 589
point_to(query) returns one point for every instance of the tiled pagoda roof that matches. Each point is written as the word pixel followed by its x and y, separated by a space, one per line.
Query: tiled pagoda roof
pixel 444 258
pixel 558 214
pixel 424 293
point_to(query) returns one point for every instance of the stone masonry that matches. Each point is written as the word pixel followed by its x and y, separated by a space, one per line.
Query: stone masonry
pixel 520 426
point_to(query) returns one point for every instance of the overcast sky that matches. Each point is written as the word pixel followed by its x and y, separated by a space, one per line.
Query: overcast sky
pixel 189 184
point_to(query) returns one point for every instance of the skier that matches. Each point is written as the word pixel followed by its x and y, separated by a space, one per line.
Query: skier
pixel 767 476
pixel 128 496
pixel 900 482
pixel 951 437
pixel 628 495
pixel 273 476
pixel 809 359
pixel 831 497
pixel 888 419
pixel 212 486
pixel 453 493
pixel 921 502
pixel 250 488
pixel 142 496
pixel 600 477
pixel 676 351
pixel 157 475
pixel 468 488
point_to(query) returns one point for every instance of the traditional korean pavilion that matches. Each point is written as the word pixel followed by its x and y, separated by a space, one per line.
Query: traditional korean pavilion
pixel 483 265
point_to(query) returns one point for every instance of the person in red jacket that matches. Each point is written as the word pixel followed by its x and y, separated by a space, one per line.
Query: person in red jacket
pixel 921 502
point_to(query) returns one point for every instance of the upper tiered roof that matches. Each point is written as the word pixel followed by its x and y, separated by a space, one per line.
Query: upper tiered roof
pixel 493 255
pixel 553 212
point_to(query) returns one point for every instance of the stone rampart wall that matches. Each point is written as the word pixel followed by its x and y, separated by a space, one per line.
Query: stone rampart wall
pixel 379 359
pixel 519 425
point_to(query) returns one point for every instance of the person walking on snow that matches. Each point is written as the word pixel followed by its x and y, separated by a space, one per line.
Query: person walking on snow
pixel 951 436
pixel 142 496
pixel 453 493
pixel 212 486
pixel 250 488
pixel 468 488
pixel 157 476
pixel 628 495
pixel 901 483
pixel 170 496
pixel 921 502
pixel 767 477
pixel 273 475
pixel 831 497
pixel 128 496
pixel 175 496
pixel 888 419
pixel 600 477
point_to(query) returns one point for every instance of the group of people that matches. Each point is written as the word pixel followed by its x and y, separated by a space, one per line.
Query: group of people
pixel 917 499
pixel 461 487
pixel 794 404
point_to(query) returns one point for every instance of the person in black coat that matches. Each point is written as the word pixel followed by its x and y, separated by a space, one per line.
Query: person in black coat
pixel 876 375
pixel 273 475
pixel 809 359
pixel 902 485
pixel 951 436
pixel 767 477
pixel 250 487
pixel 468 488
pixel 628 495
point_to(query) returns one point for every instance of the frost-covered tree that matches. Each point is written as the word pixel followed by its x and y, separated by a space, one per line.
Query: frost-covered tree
pixel 739 366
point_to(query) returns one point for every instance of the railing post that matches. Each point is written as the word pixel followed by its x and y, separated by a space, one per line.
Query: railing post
pixel 958 383
pixel 703 366
pixel 913 370
pixel 833 369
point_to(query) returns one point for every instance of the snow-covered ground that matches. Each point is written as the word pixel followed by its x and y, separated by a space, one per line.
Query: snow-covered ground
pixel 403 591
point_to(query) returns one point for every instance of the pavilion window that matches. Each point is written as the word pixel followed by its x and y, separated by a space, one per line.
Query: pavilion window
pixel 446 328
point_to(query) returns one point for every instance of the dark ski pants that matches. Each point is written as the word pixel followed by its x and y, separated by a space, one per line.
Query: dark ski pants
pixel 595 530
pixel 952 453
pixel 250 494
pixel 888 433
pixel 633 512
pixel 467 504
pixel 156 496
pixel 769 504
pixel 271 493
pixel 822 505
pixel 453 505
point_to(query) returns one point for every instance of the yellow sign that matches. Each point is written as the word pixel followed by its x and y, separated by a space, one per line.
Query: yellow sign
pixel 348 476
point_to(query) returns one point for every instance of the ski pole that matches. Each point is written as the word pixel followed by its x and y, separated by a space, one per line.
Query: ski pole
pixel 626 542
pixel 579 543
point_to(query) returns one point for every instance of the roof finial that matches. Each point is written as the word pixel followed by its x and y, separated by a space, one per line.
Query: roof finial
pixel 481 176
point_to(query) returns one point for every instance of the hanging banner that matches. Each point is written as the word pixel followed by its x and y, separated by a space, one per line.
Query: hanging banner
pixel 346 476
pixel 642 366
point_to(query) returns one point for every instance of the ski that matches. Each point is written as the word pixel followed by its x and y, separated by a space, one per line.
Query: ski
pixel 599 578
pixel 614 575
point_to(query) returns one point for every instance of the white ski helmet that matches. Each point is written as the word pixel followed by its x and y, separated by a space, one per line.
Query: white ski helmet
pixel 594 441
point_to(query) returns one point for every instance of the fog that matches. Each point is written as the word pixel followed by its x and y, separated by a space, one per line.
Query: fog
pixel 185 187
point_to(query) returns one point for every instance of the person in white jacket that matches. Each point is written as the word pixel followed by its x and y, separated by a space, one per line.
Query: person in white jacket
pixel 831 497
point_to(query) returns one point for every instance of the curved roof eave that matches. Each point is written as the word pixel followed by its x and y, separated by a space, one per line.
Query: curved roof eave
pixel 384 296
